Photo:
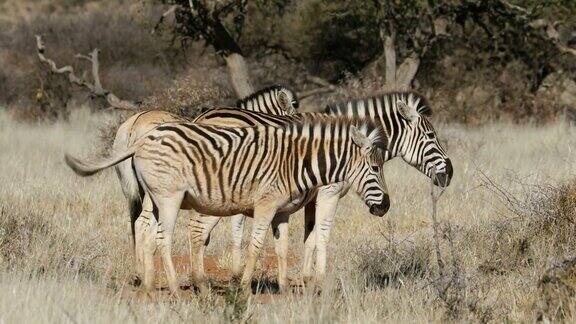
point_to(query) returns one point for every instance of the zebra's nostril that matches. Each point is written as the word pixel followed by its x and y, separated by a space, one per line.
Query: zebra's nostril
pixel 443 179
pixel 380 209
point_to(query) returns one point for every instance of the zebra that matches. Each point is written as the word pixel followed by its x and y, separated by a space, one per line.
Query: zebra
pixel 404 117
pixel 255 171
pixel 277 100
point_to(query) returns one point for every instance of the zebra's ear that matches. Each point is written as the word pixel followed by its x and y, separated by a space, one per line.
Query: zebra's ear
pixel 379 139
pixel 285 101
pixel 360 139
pixel 407 112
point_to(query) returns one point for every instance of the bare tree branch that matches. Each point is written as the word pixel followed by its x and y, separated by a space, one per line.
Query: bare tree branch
pixel 321 82
pixel 406 72
pixel 314 92
pixel 167 13
pixel 325 87
pixel 95 88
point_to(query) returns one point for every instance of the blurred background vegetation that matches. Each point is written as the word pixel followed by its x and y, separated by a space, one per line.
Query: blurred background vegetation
pixel 476 60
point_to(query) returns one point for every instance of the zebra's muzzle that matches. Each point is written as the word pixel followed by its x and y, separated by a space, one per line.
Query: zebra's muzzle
pixel 443 179
pixel 381 209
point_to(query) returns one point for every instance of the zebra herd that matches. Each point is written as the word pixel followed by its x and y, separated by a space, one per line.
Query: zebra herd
pixel 262 160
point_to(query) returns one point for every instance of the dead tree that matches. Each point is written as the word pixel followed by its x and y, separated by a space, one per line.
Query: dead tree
pixel 96 89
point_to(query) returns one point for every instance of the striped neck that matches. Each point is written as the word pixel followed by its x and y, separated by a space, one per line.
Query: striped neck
pixel 320 155
pixel 381 109
pixel 264 102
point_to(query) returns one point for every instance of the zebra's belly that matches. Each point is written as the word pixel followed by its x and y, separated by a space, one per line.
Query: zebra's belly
pixel 298 202
pixel 214 206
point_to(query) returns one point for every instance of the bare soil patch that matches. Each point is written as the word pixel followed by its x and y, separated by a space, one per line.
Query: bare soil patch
pixel 264 284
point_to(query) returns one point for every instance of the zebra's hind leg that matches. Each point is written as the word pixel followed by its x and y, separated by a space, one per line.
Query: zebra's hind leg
pixel 237 228
pixel 146 241
pixel 263 215
pixel 141 229
pixel 168 208
pixel 280 230
pixel 198 233
pixel 309 240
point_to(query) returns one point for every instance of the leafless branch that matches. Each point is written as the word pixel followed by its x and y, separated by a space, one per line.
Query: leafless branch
pixel 321 82
pixel 314 92
pixel 325 87
pixel 166 13
pixel 95 88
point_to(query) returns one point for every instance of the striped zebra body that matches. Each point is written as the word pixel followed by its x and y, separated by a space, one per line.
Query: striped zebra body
pixel 256 171
pixel 274 100
pixel 404 117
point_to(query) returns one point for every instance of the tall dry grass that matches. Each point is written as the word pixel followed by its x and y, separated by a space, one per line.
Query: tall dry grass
pixel 508 216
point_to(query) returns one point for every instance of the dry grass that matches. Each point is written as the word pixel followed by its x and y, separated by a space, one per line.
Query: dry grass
pixel 507 217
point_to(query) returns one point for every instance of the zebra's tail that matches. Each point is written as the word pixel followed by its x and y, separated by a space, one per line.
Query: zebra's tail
pixel 87 168
pixel 132 192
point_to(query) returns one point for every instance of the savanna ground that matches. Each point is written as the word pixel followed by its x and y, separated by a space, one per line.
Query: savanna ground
pixel 507 217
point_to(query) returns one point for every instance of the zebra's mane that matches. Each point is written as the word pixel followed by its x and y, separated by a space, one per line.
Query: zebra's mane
pixel 409 97
pixel 259 93
pixel 369 128
pixel 422 104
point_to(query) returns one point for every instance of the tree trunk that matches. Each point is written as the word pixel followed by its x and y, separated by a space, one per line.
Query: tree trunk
pixel 390 54
pixel 239 77
pixel 406 72
pixel 216 34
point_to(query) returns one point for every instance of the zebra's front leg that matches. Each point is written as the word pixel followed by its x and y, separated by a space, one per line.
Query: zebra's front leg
pixel 263 216
pixel 198 236
pixel 309 240
pixel 237 228
pixel 326 205
pixel 280 230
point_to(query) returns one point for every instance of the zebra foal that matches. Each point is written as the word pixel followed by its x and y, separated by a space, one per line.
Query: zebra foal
pixel 255 171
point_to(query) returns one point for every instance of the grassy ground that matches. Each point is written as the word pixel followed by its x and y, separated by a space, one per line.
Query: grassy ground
pixel 65 251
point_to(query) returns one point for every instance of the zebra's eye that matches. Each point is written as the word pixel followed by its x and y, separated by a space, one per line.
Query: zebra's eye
pixel 431 135
pixel 376 168
pixel 295 104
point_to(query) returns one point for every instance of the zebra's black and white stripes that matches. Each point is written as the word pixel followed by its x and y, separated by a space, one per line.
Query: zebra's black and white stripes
pixel 257 171
pixel 274 100
pixel 403 115
pixel 411 135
